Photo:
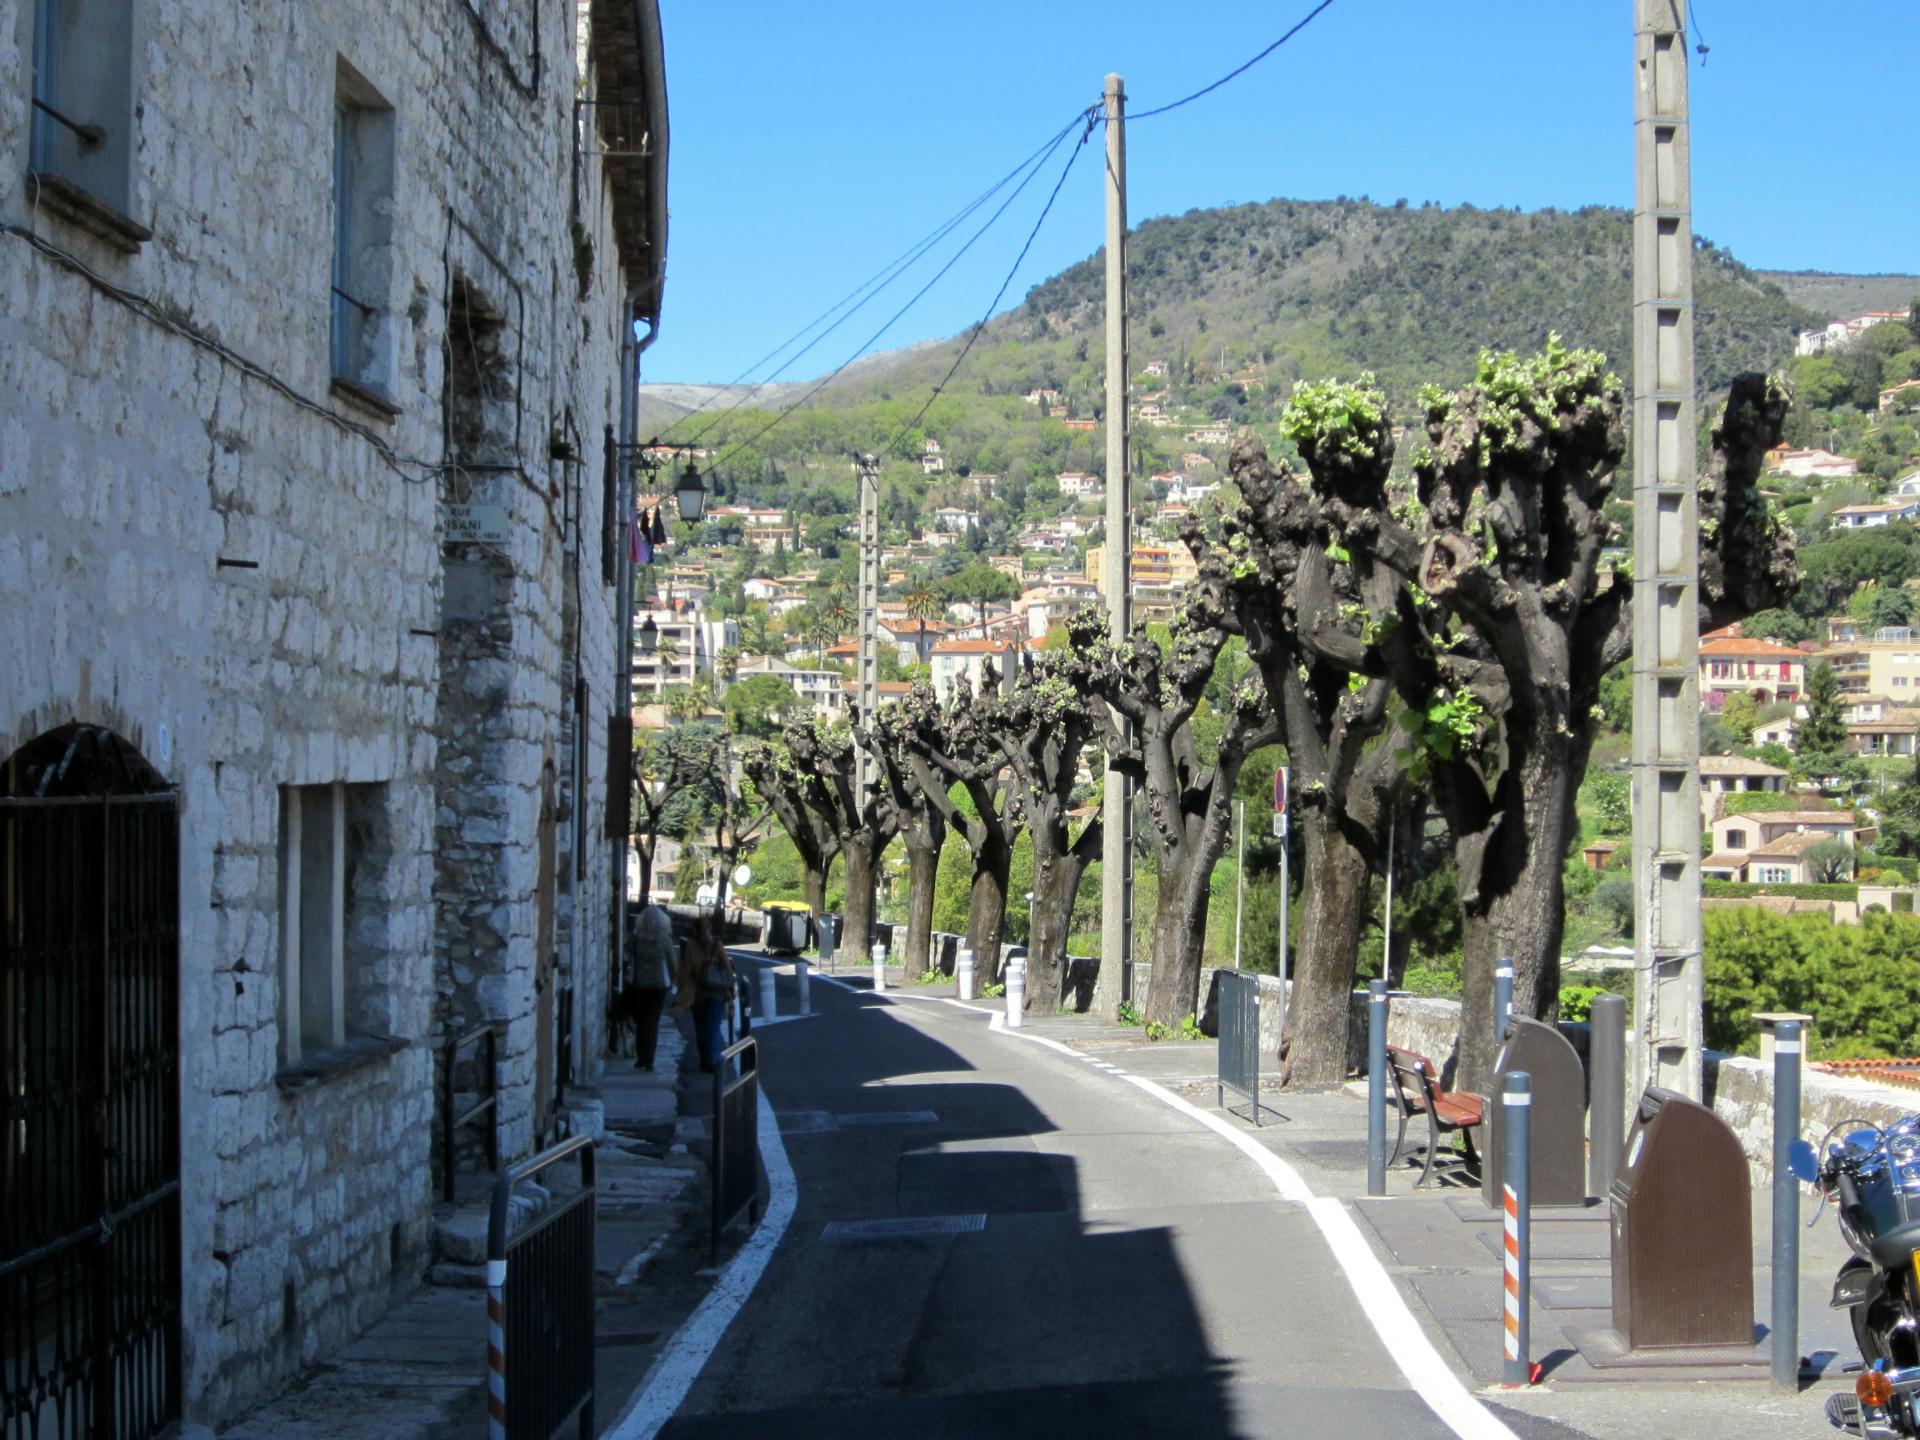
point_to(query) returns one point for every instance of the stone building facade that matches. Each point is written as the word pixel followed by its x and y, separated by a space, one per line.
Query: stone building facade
pixel 319 325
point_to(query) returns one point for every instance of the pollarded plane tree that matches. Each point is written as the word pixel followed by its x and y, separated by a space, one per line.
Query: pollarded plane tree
pixel 923 828
pixel 785 789
pixel 1290 593
pixel 1189 796
pixel 863 824
pixel 1043 727
pixel 1489 607
pixel 951 745
pixel 666 767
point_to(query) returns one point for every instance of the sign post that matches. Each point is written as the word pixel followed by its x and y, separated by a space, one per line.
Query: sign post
pixel 1280 834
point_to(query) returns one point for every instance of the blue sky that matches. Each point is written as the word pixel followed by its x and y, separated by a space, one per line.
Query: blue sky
pixel 811 144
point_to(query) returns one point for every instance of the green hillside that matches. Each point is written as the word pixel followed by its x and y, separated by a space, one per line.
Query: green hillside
pixel 1296 290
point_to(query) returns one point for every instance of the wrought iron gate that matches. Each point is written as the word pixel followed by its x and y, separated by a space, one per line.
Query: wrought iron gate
pixel 89 1107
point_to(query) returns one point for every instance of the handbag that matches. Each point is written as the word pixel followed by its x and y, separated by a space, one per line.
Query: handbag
pixel 713 976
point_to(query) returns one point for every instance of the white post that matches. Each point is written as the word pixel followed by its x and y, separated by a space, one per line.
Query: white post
pixel 1114 982
pixel 801 973
pixel 963 972
pixel 769 1000
pixel 1016 992
pixel 1668 978
pixel 879 967
pixel 866 768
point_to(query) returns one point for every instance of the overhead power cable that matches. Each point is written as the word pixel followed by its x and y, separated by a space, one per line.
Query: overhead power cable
pixel 1235 73
pixel 869 289
pixel 1092 116
pixel 1033 168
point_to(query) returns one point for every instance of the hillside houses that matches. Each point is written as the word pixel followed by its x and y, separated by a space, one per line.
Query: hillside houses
pixel 1079 485
pixel 1810 464
pixel 1871 516
pixel 1722 775
pixel 1842 332
pixel 1770 847
pixel 1731 664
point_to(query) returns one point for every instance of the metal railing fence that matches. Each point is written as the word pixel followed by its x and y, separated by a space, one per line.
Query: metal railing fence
pixel 736 1137
pixel 540 1333
pixel 1239 1044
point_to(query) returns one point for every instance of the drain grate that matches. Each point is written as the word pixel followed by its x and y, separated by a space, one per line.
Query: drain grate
pixel 905 1228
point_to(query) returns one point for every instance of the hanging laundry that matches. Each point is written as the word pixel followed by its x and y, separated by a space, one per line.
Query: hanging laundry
pixel 634 542
pixel 659 527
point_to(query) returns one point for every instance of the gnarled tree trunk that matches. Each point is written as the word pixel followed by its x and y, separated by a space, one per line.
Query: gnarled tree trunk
pixel 1056 885
pixel 858 858
pixel 923 864
pixel 987 905
pixel 1333 903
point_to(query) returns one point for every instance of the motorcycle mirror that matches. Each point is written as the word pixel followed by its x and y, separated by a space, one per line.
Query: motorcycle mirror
pixel 1802 1160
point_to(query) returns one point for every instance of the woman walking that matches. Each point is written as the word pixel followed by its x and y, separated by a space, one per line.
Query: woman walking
pixel 705 985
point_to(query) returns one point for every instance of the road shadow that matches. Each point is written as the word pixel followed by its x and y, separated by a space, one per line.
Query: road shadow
pixel 985 1301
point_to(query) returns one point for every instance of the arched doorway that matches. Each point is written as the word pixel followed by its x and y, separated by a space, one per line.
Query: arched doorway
pixel 89 1091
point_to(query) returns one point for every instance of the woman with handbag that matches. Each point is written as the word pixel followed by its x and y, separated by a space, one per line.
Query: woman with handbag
pixel 705 985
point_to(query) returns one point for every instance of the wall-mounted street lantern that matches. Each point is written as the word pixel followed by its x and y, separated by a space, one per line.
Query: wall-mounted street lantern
pixel 649 636
pixel 691 494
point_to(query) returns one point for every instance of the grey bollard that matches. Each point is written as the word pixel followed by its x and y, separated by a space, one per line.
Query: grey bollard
pixel 769 999
pixel 1016 993
pixel 802 974
pixel 1516 1098
pixel 879 967
pixel 963 972
pixel 1376 1087
pixel 1786 1209
pixel 1502 998
pixel 1607 1074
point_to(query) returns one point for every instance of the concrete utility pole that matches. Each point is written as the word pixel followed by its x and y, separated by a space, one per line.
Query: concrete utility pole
pixel 867 467
pixel 1667 989
pixel 1115 980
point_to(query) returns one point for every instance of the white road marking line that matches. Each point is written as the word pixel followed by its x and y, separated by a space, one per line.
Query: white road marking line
pixel 679 1365
pixel 1431 1378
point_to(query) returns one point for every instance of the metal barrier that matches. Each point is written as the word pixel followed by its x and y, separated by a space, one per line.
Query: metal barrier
pixel 736 1137
pixel 540 1336
pixel 1239 1043
pixel 450 1123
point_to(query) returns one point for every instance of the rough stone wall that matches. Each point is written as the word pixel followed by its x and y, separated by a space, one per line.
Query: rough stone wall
pixel 144 441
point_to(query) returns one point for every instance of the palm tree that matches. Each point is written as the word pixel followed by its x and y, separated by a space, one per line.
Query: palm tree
pixel 756 634
pixel 923 605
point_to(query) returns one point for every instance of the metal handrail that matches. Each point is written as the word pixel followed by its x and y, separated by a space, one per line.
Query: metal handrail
pixel 526 1170
pixel 541 1371
pixel 738 1068
pixel 450 1123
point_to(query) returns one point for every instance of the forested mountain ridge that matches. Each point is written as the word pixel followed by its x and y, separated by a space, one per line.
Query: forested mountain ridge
pixel 1288 290
pixel 1411 293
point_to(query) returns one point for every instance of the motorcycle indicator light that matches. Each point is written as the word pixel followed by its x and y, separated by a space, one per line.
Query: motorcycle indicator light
pixel 1874 1388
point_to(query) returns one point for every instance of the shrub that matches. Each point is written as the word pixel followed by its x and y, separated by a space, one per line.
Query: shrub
pixel 1746 890
pixel 1861 983
pixel 1576 1001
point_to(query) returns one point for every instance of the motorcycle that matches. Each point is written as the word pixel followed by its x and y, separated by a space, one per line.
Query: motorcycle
pixel 1873 1178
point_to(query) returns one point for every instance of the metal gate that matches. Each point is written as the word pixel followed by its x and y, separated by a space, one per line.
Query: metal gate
pixel 89 1107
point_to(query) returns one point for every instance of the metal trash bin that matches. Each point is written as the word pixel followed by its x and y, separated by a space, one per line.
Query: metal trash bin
pixel 829 935
pixel 783 931
pixel 1682 1229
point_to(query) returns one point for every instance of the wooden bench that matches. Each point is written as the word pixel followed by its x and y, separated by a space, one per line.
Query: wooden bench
pixel 1416 1091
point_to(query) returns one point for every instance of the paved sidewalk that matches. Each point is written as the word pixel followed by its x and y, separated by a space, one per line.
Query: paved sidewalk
pixel 1441 1245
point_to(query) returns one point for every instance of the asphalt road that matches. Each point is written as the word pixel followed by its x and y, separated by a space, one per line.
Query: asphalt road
pixel 1092 1263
